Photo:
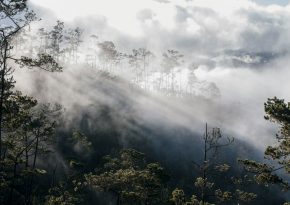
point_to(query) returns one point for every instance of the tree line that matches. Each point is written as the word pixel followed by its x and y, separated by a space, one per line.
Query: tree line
pixel 69 47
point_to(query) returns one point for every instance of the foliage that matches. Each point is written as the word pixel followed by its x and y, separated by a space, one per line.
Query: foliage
pixel 279 112
pixel 130 179
pixel 209 169
pixel 26 127
pixel 64 194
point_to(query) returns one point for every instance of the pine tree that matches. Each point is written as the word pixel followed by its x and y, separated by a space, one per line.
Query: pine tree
pixel 108 55
pixel 25 126
pixel 267 173
pixel 56 39
pixel 131 179
pixel 73 41
pixel 171 59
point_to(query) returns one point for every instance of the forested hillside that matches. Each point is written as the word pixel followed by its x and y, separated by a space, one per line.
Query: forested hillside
pixel 86 120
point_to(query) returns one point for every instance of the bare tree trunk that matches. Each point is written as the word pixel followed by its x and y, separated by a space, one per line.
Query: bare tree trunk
pixel 26 167
pixel 118 199
pixel 53 176
pixel 13 182
pixel 204 166
pixel 2 93
pixel 33 167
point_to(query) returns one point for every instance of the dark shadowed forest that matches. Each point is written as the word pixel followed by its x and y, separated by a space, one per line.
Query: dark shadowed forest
pixel 90 115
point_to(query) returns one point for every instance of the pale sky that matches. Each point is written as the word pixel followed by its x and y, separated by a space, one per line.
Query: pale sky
pixel 125 15
pixel 267 2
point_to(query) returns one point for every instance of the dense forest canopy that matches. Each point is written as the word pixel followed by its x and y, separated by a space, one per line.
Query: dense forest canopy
pixel 99 111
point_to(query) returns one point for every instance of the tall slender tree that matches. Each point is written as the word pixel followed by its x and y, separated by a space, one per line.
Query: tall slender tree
pixel 57 38
pixel 171 59
pixel 73 41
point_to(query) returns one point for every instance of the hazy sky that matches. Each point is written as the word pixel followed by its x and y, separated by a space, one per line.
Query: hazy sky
pixel 126 15
pixel 267 2
pixel 206 30
pixel 198 24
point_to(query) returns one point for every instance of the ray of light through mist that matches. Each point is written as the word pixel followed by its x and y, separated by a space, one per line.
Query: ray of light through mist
pixel 242 47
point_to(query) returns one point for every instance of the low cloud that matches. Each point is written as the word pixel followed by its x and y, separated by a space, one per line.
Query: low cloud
pixel 241 47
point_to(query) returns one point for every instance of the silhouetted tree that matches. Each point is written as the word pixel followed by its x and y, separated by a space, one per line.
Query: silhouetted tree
pixel 56 38
pixel 24 126
pixel 73 40
pixel 171 59
pixel 139 61
pixel 210 169
pixel 108 55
